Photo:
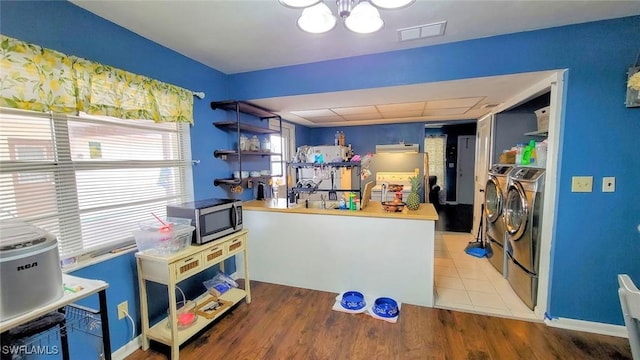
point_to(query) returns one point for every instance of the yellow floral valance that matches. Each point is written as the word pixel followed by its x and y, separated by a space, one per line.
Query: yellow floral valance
pixel 40 79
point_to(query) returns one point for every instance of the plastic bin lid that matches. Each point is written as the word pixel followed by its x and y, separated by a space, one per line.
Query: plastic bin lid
pixel 19 234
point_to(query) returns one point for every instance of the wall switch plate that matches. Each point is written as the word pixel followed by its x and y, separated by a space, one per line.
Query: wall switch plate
pixel 582 184
pixel 123 310
pixel 608 184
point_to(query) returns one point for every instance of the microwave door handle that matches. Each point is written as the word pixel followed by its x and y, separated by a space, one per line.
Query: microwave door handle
pixel 234 216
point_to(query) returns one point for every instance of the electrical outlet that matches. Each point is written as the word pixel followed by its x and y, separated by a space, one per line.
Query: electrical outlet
pixel 608 184
pixel 582 184
pixel 123 310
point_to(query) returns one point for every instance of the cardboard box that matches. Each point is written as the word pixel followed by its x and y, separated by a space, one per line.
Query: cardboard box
pixel 542 116
pixel 507 157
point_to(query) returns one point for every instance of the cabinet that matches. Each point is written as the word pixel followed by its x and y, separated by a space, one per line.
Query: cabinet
pixel 237 127
pixel 177 267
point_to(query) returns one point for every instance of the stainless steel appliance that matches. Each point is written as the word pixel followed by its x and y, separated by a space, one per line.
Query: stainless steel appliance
pixel 495 192
pixel 212 218
pixel 523 216
pixel 29 268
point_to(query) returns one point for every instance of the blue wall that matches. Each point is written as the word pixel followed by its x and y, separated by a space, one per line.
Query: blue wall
pixel 64 27
pixel 595 234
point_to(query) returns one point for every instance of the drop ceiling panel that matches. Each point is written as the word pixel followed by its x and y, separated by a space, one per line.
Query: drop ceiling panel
pixel 313 113
pixel 401 107
pixel 454 111
pixel 325 119
pixel 453 103
pixel 356 110
pixel 401 114
pixel 361 117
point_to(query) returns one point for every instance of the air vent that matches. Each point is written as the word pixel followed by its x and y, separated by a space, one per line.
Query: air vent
pixel 422 31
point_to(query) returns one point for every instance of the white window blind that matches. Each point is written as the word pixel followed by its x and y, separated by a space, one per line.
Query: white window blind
pixel 90 180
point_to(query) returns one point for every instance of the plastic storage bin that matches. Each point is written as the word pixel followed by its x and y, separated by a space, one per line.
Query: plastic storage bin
pixel 158 239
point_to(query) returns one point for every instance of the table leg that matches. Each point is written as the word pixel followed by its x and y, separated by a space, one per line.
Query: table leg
pixel 247 283
pixel 104 320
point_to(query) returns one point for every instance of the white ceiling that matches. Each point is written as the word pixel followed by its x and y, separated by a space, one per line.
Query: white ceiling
pixel 236 36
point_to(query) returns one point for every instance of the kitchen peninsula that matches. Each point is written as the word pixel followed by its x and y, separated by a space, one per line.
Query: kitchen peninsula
pixel 370 250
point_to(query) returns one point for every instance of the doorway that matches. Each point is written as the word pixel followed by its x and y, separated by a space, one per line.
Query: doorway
pixel 459 155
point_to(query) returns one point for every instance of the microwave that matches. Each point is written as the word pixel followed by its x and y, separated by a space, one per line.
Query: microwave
pixel 212 218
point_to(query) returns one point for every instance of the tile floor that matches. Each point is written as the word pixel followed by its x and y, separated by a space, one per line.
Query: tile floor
pixel 471 284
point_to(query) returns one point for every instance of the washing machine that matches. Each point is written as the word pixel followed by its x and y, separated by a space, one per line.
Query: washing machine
pixel 494 195
pixel 523 217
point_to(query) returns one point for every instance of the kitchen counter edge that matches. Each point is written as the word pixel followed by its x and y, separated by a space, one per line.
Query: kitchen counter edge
pixel 374 209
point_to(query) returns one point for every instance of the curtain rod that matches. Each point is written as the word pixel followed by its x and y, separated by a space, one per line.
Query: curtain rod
pixel 198 94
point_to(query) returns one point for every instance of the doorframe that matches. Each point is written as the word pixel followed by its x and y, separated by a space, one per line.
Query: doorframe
pixel 555 83
pixel 481 173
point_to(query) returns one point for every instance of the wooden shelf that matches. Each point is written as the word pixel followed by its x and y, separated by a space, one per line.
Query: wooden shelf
pixel 220 153
pixel 217 182
pixel 543 133
pixel 244 107
pixel 334 164
pixel 162 333
pixel 233 125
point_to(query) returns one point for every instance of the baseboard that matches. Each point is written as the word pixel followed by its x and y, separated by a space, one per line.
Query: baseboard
pixel 128 349
pixel 588 326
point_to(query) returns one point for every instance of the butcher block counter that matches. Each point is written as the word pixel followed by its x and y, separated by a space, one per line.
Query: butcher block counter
pixel 376 252
pixel 374 209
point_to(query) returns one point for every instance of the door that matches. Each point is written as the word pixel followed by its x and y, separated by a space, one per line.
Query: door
pixel 482 163
pixel 466 164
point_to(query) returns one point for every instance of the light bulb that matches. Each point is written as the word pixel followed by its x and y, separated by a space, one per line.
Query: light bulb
pixel 298 4
pixel 317 19
pixel 391 4
pixel 364 19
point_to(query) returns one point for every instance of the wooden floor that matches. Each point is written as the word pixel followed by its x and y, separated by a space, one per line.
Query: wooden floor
pixel 292 323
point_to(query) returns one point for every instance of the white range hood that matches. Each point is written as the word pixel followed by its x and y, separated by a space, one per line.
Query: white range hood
pixel 397 148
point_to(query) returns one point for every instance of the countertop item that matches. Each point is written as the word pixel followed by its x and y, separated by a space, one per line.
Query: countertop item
pixel 366 197
pixel 374 209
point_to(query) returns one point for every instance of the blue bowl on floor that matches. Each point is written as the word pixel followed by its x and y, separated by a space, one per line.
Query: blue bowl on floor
pixel 352 300
pixel 385 307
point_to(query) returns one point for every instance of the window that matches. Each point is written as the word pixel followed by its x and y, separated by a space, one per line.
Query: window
pixel 434 146
pixel 90 180
pixel 284 145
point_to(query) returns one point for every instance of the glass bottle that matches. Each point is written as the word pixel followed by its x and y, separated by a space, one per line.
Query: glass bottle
pixel 243 143
pixel 266 145
pixel 254 144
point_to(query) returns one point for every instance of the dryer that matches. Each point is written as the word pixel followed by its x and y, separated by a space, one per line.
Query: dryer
pixel 523 216
pixel 495 192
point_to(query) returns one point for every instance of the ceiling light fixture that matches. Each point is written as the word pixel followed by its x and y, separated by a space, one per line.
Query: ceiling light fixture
pixel 362 18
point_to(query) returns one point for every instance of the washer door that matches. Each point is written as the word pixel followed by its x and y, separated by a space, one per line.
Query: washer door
pixel 492 199
pixel 516 210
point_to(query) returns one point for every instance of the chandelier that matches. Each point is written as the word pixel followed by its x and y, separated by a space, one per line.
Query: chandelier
pixel 360 16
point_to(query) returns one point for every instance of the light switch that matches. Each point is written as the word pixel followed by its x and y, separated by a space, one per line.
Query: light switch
pixel 582 184
pixel 608 184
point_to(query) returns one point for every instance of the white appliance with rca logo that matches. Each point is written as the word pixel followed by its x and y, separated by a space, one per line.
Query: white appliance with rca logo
pixel 30 270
